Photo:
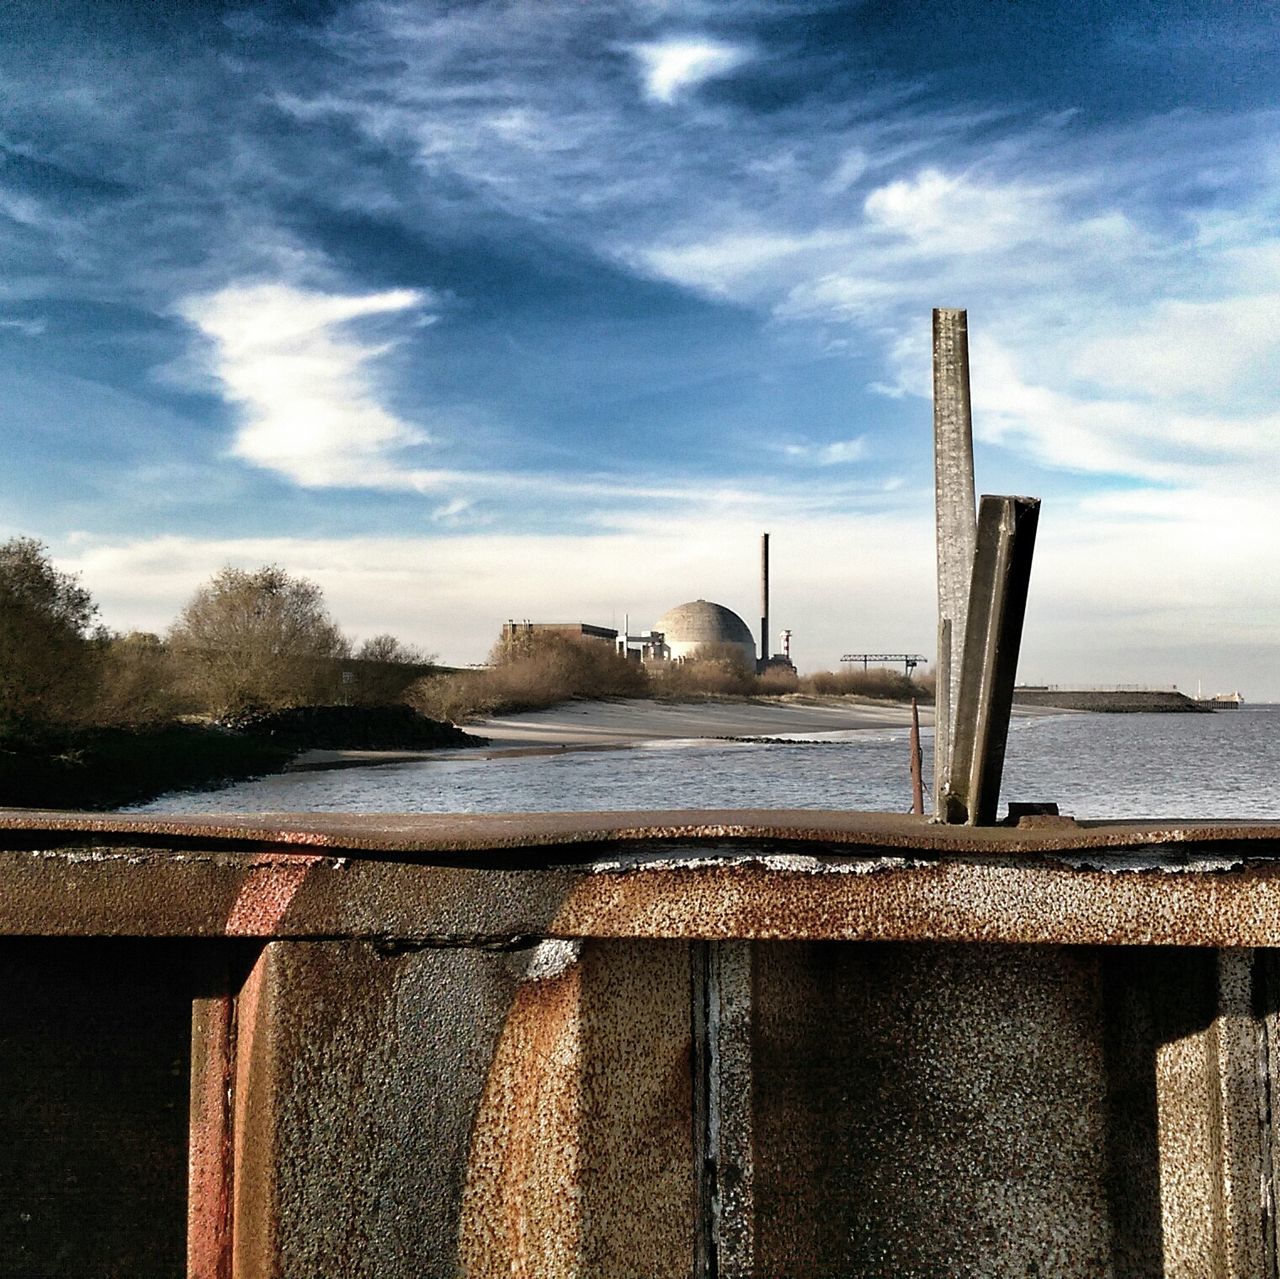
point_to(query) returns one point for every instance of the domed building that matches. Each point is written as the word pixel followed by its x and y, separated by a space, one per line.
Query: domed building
pixel 688 627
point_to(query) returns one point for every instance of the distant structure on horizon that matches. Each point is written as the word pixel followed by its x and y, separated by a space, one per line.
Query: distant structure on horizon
pixel 681 631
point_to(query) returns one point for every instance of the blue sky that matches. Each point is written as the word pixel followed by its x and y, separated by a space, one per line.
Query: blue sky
pixel 470 311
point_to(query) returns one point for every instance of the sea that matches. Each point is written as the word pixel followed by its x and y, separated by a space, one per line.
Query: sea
pixel 1224 765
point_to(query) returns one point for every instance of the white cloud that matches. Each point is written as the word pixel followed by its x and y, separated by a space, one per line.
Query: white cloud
pixel 837 453
pixel 735 264
pixel 675 67
pixel 1189 347
pixel 310 407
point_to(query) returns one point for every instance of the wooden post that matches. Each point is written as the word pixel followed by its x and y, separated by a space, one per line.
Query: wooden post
pixel 956 523
pixel 997 603
pixel 917 780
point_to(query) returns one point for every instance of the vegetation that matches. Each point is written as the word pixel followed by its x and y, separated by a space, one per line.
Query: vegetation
pixel 138 682
pixel 535 670
pixel 878 681
pixel 257 640
pixel 249 672
pixel 530 671
pixel 90 719
pixel 715 668
pixel 47 652
pixel 382 670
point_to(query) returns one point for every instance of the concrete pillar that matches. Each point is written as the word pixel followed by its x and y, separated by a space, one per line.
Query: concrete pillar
pixel 956 518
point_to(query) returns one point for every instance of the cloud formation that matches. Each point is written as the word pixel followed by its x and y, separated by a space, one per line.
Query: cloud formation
pixel 303 383
pixel 689 253
pixel 676 66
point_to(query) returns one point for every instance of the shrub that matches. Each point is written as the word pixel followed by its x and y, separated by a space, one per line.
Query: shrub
pixel 777 681
pixel 260 640
pixel 530 671
pixel 48 668
pixel 713 668
pixel 138 682
pixel 878 682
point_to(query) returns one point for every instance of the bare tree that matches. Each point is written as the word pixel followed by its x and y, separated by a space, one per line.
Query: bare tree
pixel 384 669
pixel 258 641
pixel 47 659
pixel 386 648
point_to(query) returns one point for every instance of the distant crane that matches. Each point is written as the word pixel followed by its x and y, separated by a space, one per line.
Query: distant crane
pixel 909 660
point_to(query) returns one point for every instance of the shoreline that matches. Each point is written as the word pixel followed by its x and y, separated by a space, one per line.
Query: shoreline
pixel 628 723
pixel 633 723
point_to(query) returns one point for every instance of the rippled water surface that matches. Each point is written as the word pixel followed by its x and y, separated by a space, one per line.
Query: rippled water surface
pixel 1225 765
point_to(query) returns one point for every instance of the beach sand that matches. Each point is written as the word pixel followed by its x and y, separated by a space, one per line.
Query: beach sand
pixel 631 721
pixel 611 725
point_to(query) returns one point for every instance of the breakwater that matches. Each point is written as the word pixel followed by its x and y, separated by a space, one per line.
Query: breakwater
pixel 1110 701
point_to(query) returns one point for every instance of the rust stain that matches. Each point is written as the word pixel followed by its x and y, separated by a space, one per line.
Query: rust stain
pixel 252 1232
pixel 265 894
pixel 520 1215
pixel 209 1142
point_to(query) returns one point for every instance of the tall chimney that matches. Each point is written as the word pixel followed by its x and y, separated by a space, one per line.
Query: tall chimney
pixel 764 597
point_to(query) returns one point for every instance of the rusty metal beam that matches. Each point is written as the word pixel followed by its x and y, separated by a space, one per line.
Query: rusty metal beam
pixel 1225 894
pixel 500 840
pixel 997 604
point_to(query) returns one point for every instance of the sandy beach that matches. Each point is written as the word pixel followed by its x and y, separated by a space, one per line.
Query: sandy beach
pixel 611 725
pixel 631 721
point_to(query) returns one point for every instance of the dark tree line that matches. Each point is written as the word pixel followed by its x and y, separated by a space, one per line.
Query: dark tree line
pixel 246 640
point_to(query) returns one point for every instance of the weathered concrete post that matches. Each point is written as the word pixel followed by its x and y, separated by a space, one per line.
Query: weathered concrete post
pixel 997 604
pixel 956 525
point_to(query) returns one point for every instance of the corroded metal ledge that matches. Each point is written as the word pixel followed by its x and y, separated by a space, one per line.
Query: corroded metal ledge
pixel 449 833
pixel 502 880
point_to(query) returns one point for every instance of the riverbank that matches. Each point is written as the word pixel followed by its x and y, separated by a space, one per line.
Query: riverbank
pixel 97 768
pixel 107 767
pixel 630 721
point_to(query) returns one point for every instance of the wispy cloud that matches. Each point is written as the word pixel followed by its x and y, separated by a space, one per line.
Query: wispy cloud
pixel 30 328
pixel 837 453
pixel 676 66
pixel 304 384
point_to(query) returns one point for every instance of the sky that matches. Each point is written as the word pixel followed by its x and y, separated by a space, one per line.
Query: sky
pixel 547 309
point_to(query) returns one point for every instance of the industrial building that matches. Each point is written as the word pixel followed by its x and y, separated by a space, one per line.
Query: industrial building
pixel 570 630
pixel 681 631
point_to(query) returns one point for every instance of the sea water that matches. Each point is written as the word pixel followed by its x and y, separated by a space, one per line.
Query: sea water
pixel 1225 765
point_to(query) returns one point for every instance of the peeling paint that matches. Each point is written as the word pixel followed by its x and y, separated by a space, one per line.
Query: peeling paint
pixel 551 959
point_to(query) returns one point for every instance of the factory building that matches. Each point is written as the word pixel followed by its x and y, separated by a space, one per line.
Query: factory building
pixel 570 630
pixel 689 627
pixel 681 631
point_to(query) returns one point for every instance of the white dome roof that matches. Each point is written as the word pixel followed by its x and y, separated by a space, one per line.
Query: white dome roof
pixel 689 626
